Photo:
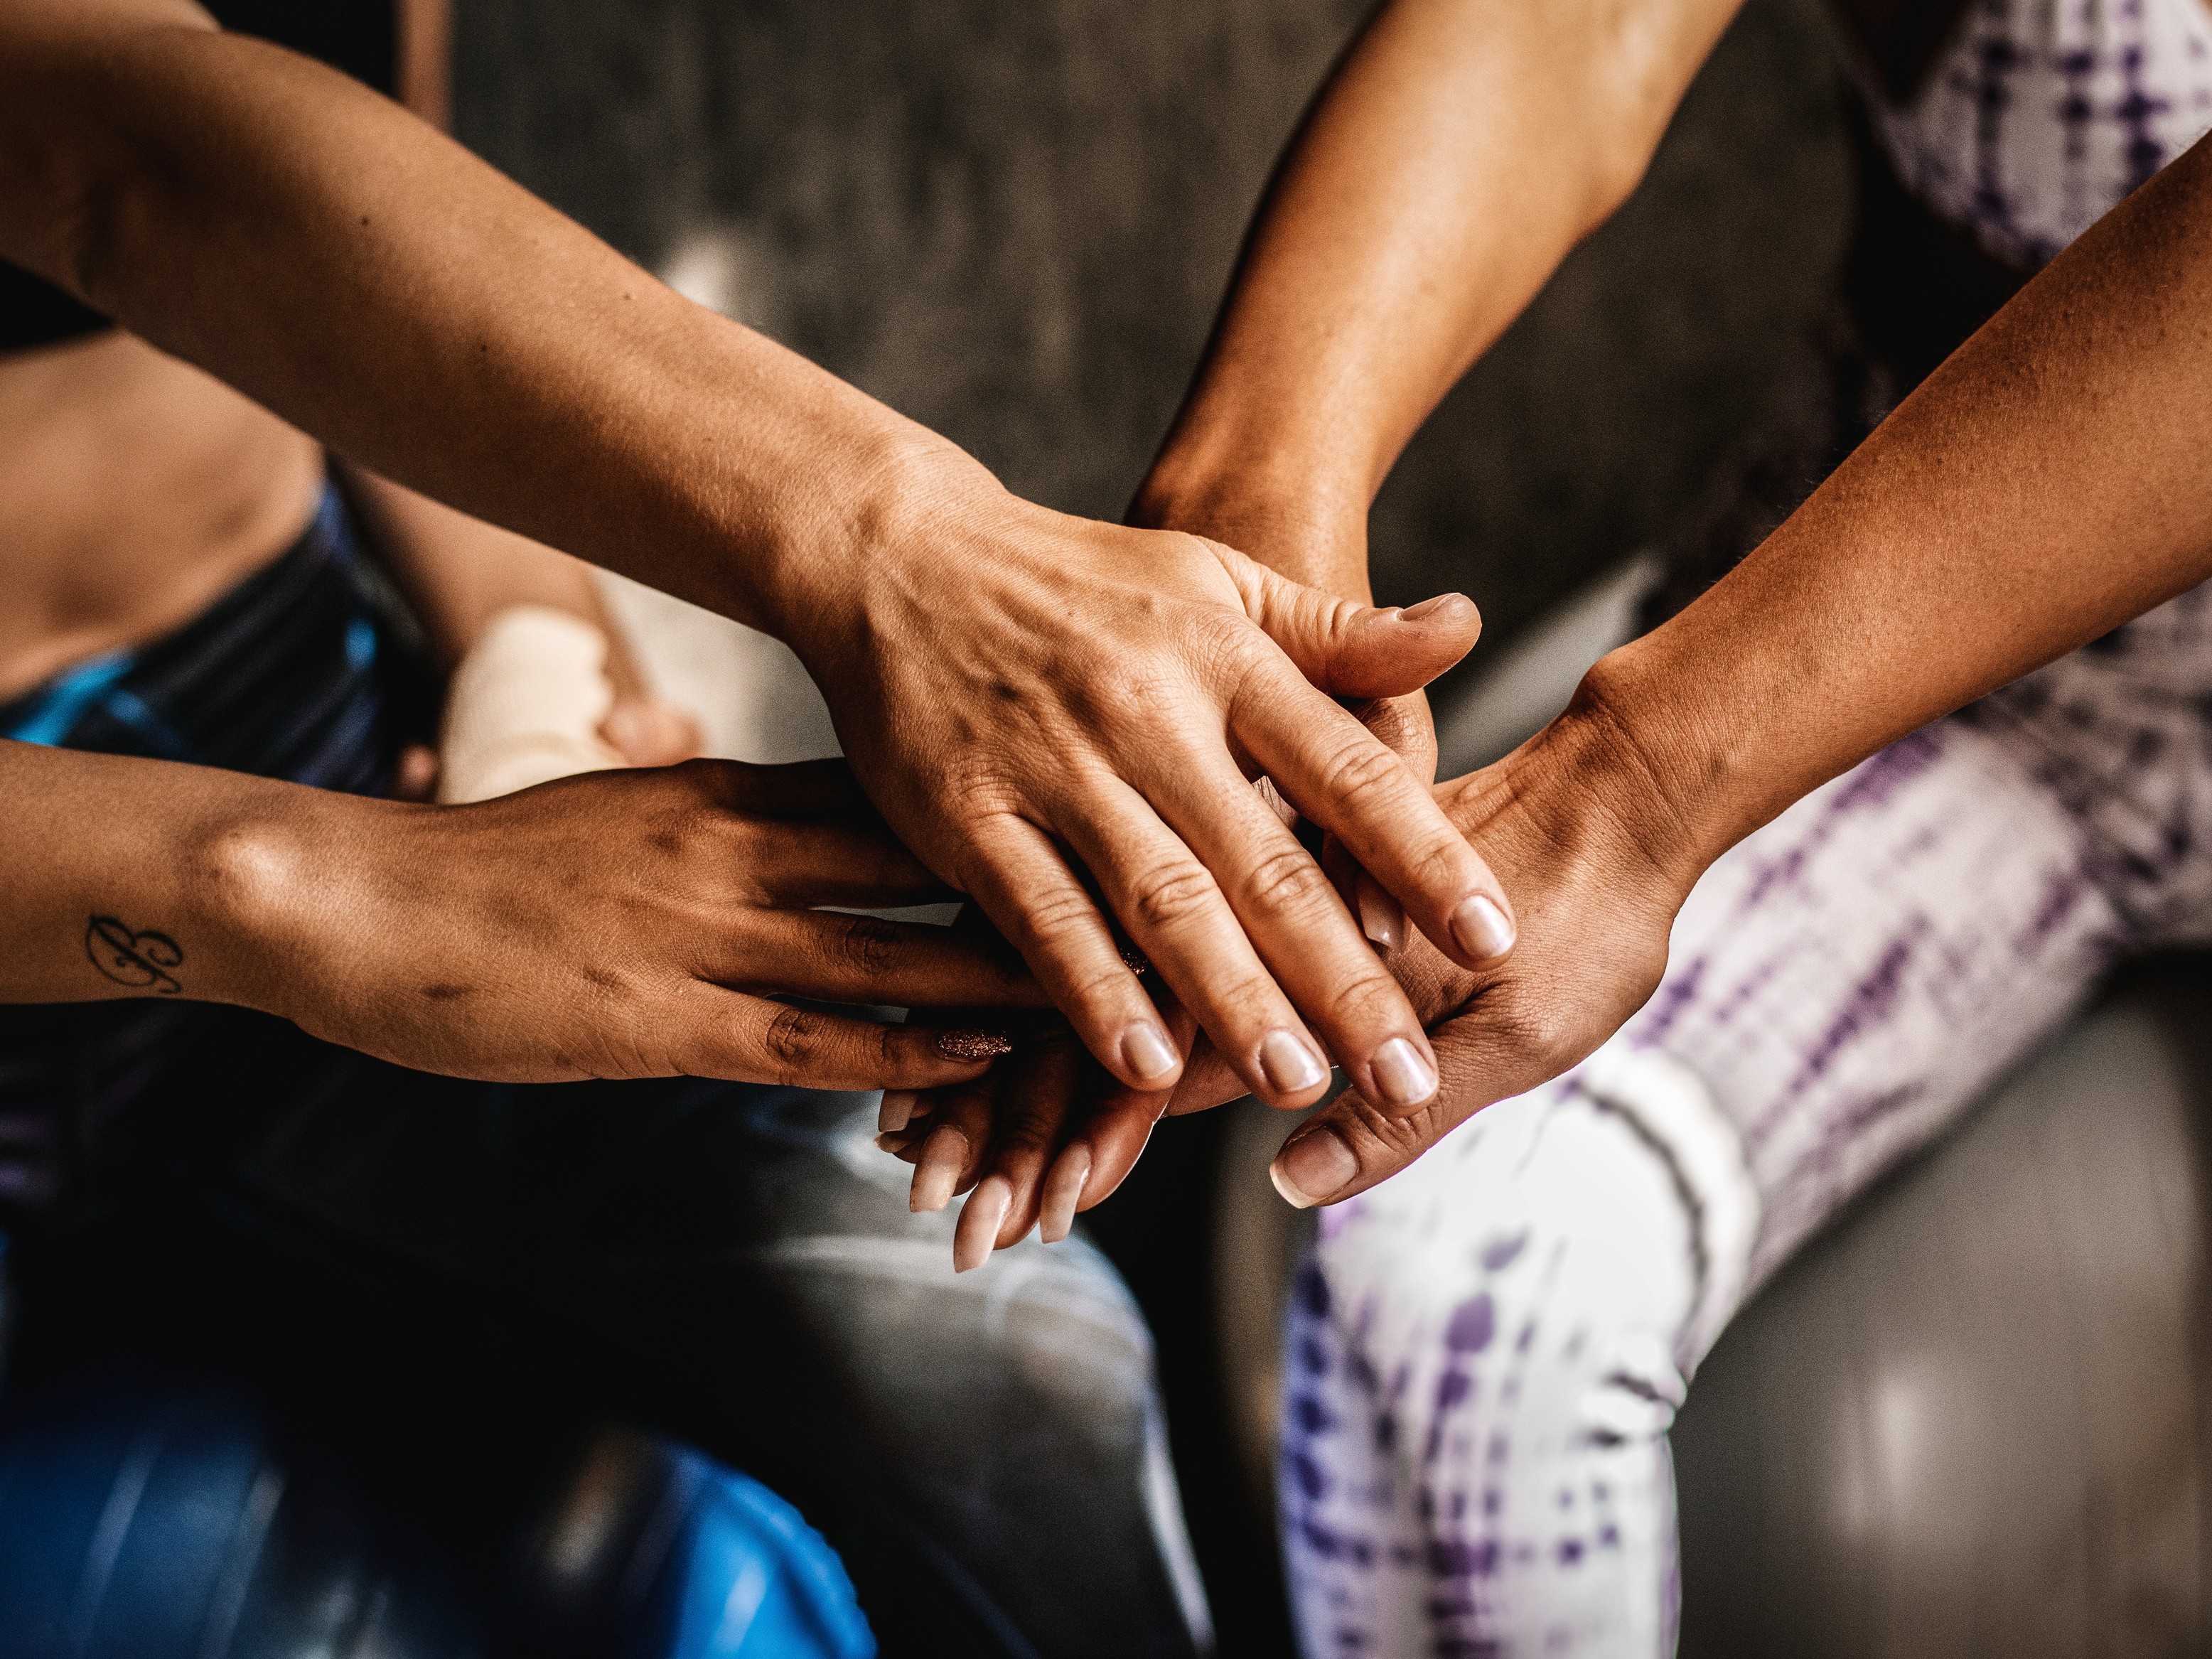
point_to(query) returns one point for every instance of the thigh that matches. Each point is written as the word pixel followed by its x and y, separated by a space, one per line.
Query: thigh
pixel 1480 1370
pixel 739 1266
pixel 1849 980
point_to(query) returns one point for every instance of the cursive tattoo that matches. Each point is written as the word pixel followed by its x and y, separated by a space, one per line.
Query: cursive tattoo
pixel 141 961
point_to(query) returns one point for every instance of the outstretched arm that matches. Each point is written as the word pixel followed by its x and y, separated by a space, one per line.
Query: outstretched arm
pixel 1021 692
pixel 2045 485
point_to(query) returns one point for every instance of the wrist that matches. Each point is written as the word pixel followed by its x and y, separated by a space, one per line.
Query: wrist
pixel 903 505
pixel 262 881
pixel 1648 754
pixel 1302 519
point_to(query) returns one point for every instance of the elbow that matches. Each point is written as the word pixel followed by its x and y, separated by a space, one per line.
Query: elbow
pixel 72 154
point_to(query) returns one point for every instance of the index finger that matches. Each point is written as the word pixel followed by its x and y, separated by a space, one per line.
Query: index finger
pixel 1337 773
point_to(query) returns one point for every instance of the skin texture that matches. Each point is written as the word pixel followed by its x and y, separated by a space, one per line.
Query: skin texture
pixel 1058 716
pixel 619 924
pixel 2045 485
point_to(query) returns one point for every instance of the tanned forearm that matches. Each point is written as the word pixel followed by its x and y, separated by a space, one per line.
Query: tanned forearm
pixel 1460 150
pixel 120 880
pixel 2047 483
pixel 257 214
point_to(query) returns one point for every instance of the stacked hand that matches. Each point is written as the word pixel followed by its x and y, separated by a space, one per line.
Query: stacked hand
pixel 1571 826
pixel 1072 695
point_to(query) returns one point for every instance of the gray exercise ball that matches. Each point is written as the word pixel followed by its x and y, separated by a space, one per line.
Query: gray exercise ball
pixel 1969 1420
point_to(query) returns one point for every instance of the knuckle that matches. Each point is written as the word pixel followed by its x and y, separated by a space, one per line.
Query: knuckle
pixel 1287 882
pixel 1365 997
pixel 1537 1030
pixel 1359 771
pixel 1174 893
pixel 791 1039
pixel 1061 914
pixel 868 947
pixel 1027 1136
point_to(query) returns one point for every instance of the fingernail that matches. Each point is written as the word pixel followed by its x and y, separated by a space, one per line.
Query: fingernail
pixel 981 1218
pixel 1291 1065
pixel 1063 1192
pixel 1481 928
pixel 1428 608
pixel 1135 961
pixel 973 1045
pixel 1403 1075
pixel 1312 1167
pixel 943 1159
pixel 1147 1051
pixel 1381 917
pixel 896 1112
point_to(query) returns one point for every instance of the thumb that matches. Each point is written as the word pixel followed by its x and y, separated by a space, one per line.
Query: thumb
pixel 1353 650
pixel 1482 1057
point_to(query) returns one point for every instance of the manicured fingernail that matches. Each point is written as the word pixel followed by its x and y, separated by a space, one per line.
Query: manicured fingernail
pixel 1290 1064
pixel 1147 1051
pixel 981 1218
pixel 1428 608
pixel 1403 1075
pixel 1481 928
pixel 896 1112
pixel 973 1045
pixel 1312 1167
pixel 1381 917
pixel 943 1160
pixel 1063 1191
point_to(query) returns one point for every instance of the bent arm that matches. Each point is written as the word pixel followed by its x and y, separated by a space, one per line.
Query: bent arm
pixel 1460 150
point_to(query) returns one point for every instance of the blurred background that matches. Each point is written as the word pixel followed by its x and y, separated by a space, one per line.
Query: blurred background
pixel 1012 220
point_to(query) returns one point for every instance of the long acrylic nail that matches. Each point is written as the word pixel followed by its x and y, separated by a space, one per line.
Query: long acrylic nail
pixel 1403 1076
pixel 944 1160
pixel 974 1045
pixel 1289 1063
pixel 981 1218
pixel 1063 1192
pixel 1312 1167
pixel 1147 1051
pixel 896 1110
pixel 1382 918
pixel 1481 928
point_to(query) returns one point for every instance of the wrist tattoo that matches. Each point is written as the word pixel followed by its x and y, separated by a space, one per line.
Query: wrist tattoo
pixel 141 961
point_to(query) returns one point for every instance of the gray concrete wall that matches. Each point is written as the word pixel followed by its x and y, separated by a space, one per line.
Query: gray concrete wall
pixel 1012 219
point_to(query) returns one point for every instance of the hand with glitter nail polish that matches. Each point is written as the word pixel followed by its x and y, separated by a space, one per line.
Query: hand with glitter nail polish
pixel 619 924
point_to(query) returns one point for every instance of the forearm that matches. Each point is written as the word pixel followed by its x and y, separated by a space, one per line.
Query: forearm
pixel 368 279
pixel 2046 484
pixel 133 878
pixel 1461 150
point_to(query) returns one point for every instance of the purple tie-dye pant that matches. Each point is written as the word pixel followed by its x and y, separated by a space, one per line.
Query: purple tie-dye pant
pixel 1484 1354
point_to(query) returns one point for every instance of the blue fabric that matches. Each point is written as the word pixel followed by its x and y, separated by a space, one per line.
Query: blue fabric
pixel 54 711
pixel 754 1581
